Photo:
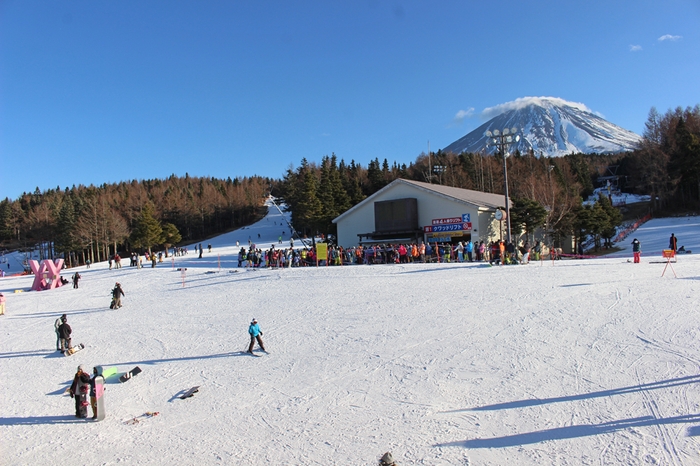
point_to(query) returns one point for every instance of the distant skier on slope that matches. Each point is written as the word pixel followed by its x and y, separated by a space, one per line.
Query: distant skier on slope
pixel 255 334
pixel 636 250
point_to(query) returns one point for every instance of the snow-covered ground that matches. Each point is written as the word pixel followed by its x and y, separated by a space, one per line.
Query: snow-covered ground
pixel 574 362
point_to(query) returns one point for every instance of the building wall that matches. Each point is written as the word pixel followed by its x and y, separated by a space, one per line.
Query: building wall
pixel 430 206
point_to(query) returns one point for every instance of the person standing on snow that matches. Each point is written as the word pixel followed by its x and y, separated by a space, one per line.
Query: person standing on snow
pixel 57 324
pixel 81 378
pixel 76 278
pixel 673 243
pixel 64 332
pixel 117 294
pixel 636 250
pixel 255 334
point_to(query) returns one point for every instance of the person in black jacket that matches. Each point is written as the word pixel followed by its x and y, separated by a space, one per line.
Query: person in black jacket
pixel 673 243
pixel 76 277
pixel 64 332
pixel 79 393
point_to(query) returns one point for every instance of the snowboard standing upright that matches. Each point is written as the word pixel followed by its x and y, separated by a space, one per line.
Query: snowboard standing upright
pixel 100 397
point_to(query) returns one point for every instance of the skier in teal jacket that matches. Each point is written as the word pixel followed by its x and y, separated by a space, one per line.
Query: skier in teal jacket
pixel 255 334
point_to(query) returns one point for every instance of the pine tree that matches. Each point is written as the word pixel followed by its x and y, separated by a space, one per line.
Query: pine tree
pixel 171 236
pixel 148 231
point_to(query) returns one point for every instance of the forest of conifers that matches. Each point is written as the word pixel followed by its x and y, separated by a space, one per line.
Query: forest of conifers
pixel 81 223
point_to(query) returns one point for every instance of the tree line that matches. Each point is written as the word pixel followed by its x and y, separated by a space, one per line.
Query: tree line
pixel 92 223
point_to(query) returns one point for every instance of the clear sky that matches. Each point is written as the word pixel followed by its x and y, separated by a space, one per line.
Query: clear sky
pixel 96 92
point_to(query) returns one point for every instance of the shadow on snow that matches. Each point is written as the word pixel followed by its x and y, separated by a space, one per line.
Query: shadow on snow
pixel 585 396
pixel 569 432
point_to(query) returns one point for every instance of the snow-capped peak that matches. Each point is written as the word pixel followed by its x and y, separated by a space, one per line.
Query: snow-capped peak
pixel 549 126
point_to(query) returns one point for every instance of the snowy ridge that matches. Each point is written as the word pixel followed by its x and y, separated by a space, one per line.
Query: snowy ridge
pixel 550 127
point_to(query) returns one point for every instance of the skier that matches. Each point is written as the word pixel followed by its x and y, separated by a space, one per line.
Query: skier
pixel 117 294
pixel 76 277
pixel 80 379
pixel 2 304
pixel 64 332
pixel 673 243
pixel 255 334
pixel 636 250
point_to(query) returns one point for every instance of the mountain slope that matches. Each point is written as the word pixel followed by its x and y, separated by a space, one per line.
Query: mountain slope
pixel 551 127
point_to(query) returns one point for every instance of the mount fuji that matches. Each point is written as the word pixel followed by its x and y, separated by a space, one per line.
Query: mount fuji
pixel 549 126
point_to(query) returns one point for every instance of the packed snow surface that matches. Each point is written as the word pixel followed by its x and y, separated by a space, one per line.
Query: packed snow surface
pixel 572 362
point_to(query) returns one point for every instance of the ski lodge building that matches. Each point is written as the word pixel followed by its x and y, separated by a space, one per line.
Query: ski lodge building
pixel 412 211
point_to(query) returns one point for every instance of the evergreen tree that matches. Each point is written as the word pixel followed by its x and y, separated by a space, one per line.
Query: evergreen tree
pixel 148 231
pixel 527 215
pixel 309 212
pixel 375 177
pixel 684 163
pixel 65 237
pixel 171 236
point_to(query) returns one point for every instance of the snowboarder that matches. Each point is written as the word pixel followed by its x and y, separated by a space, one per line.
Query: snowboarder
pixel 673 243
pixel 2 304
pixel 76 277
pixel 255 334
pixel 79 391
pixel 636 250
pixel 64 332
pixel 117 294
pixel 200 250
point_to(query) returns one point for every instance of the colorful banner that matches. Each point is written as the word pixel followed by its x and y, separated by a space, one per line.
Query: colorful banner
pixel 321 251
pixel 445 228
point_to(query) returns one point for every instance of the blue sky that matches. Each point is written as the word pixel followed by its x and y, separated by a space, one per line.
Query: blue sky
pixel 100 92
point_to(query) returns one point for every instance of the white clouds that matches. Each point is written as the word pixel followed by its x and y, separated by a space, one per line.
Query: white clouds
pixel 523 102
pixel 669 37
pixel 463 114
pixel 635 48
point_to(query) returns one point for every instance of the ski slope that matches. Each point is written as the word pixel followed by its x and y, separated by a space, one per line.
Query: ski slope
pixel 574 362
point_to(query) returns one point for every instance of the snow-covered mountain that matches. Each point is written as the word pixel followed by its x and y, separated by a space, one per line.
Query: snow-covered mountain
pixel 549 126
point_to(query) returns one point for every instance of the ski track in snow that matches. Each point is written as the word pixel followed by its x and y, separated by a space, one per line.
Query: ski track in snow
pixel 573 362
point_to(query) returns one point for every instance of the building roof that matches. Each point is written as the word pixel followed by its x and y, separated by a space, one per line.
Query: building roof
pixel 477 198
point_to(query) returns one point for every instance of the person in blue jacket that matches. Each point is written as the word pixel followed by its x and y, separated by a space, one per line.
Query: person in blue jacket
pixel 255 334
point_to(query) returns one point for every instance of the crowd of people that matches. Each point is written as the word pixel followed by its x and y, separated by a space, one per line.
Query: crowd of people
pixel 390 253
